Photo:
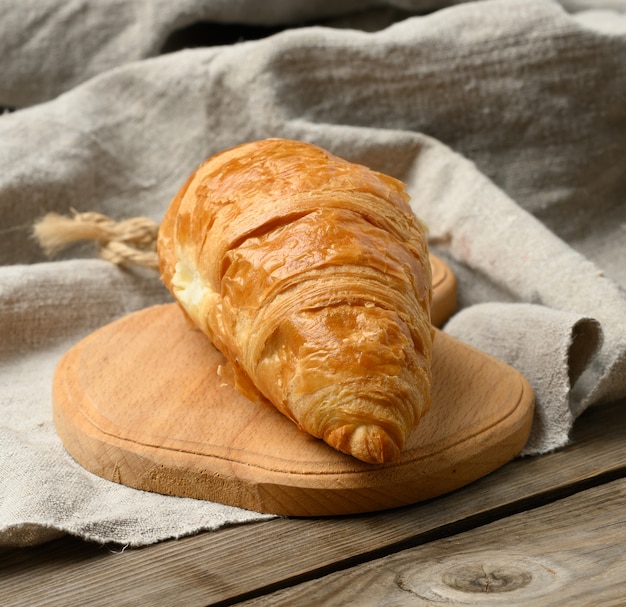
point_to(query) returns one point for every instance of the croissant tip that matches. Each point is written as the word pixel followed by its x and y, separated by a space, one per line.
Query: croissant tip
pixel 368 442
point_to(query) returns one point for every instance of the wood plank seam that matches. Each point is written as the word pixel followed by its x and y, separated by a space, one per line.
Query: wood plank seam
pixel 467 524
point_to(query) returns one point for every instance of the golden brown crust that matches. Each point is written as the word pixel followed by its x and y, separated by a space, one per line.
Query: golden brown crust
pixel 311 275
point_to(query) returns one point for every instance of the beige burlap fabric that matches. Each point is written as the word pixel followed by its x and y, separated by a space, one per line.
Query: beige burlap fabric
pixel 506 118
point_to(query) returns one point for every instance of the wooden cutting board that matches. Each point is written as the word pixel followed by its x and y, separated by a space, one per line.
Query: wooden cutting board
pixel 140 402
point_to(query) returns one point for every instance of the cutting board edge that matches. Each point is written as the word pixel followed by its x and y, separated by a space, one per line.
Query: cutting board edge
pixel 287 493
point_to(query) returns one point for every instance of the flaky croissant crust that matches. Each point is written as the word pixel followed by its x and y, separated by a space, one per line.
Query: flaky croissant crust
pixel 311 275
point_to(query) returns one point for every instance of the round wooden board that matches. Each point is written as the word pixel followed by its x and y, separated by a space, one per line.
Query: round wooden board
pixel 141 402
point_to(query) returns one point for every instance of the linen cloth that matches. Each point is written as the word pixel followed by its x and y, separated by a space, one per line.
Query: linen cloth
pixel 506 119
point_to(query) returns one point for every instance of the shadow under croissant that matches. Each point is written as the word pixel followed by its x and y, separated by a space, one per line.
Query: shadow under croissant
pixel 169 423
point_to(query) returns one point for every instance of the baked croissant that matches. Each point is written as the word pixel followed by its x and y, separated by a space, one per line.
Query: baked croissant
pixel 311 275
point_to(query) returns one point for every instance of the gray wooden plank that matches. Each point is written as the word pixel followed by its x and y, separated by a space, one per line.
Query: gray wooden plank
pixel 236 563
pixel 570 552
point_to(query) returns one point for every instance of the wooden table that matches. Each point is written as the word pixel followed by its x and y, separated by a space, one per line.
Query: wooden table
pixel 547 530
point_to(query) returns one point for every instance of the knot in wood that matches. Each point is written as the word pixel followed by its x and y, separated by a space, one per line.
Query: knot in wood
pixel 481 577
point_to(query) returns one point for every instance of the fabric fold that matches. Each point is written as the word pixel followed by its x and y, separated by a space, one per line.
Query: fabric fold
pixel 506 119
pixel 549 347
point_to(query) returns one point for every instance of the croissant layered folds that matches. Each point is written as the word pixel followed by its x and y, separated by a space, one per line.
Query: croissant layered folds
pixel 311 275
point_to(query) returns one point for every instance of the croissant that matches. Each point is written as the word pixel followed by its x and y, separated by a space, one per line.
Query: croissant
pixel 311 275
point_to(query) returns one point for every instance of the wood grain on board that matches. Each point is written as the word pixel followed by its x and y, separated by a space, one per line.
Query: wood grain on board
pixel 570 552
